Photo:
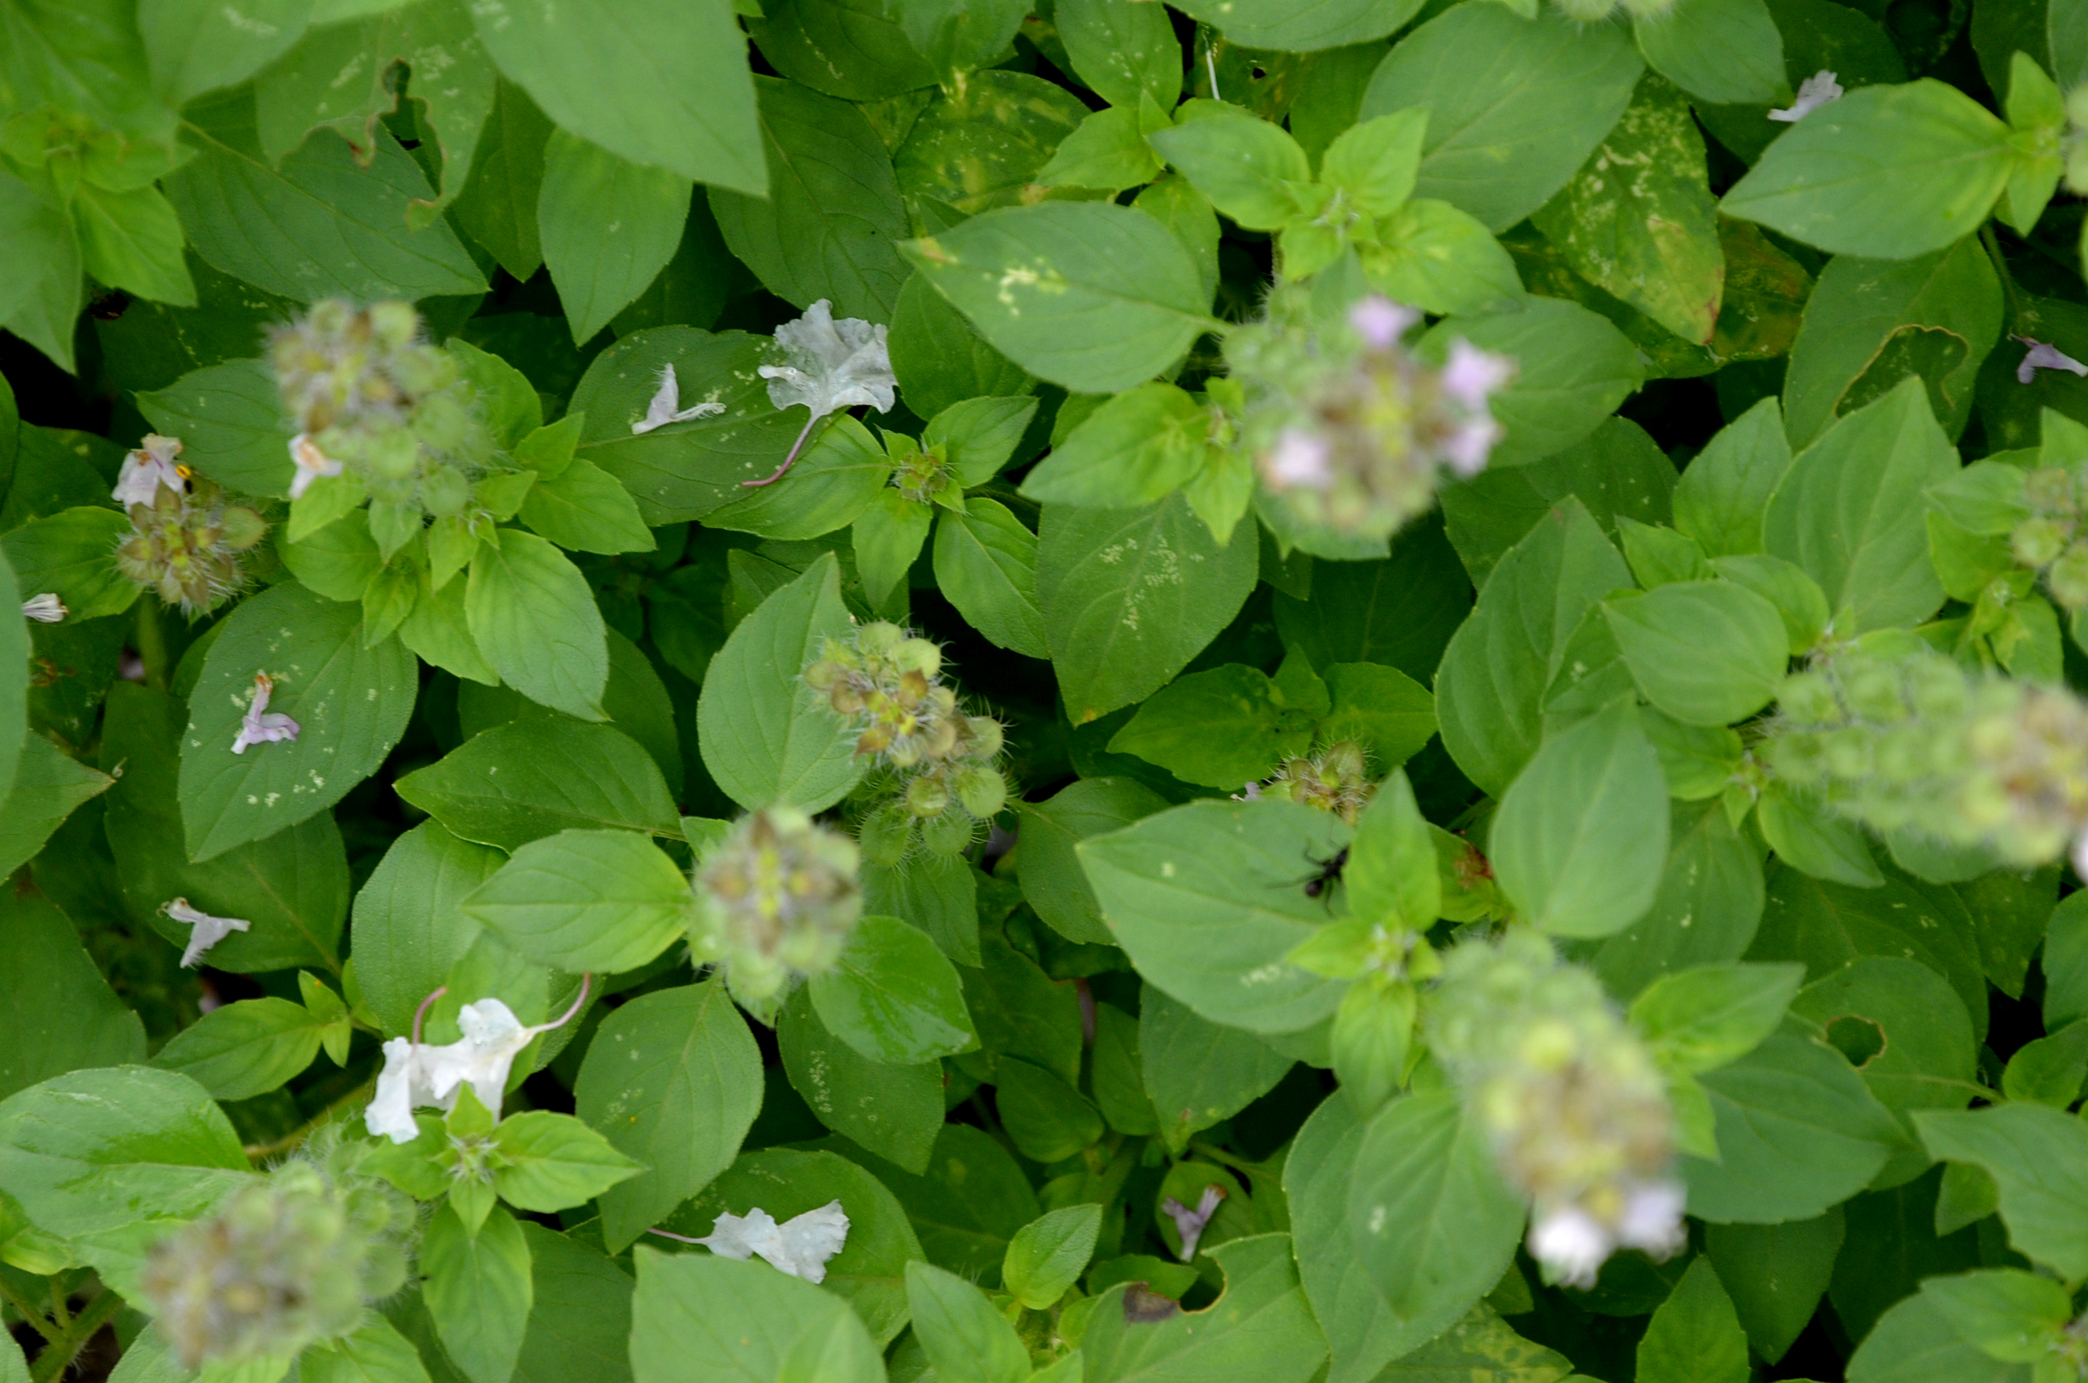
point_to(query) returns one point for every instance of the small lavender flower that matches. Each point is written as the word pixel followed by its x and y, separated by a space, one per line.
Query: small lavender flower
pixel 1381 322
pixel 2043 355
pixel 1191 1224
pixel 149 467
pixel 260 725
pixel 1815 91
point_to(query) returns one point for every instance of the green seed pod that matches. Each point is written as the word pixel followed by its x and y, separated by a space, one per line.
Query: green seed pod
pixel 981 791
pixel 886 834
pixel 392 455
pixel 918 655
pixel 879 639
pixel 1873 691
pixel 1808 698
pixel 949 834
pixel 444 491
pixel 242 528
pixel 927 795
pixel 2036 542
pixel 2067 577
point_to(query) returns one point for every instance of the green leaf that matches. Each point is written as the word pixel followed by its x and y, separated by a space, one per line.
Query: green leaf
pixel 246 1048
pixel 986 564
pixel 1797 1132
pixel 535 620
pixel 653 82
pixel 1434 1224
pixel 1581 834
pixel 579 1312
pixel 970 1204
pixel 1053 882
pixel 1776 1275
pixel 957 36
pixel 832 214
pixel 893 997
pixel 1915 1341
pixel 1808 837
pixel 40 294
pixel 870 1271
pixel 536 777
pixel 1850 512
pixel 832 483
pixel 230 420
pixel 1046 1118
pixel 71 554
pixel 1129 597
pixel 374 1352
pixel 606 901
pixel 1197 1072
pixel 1516 106
pixel 1716 50
pixel 966 1339
pixel 14 665
pixel 936 893
pixel 350 702
pixel 1391 873
pixel 1869 323
pixel 57 1013
pixel 1087 295
pixel 1206 894
pixel 2050 1070
pixel 1695 1336
pixel 1260 1327
pixel 1723 493
pixel 585 509
pixel 478 1291
pixel 1489 692
pixel 1887 171
pixel 607 226
pixel 132 240
pixel 983 145
pixel 498 205
pixel 2010 1314
pixel 939 360
pixel 1710 1015
pixel 673 1079
pixel 546 1162
pixel 1572 369
pixel 1134 449
pixel 2036 1154
pixel 1705 652
pixel 894 1111
pixel 1246 166
pixel 1440 259
pixel 319 226
pixel 1221 728
pixel 1294 28
pixel 1707 909
pixel 845 48
pixel 1122 52
pixel 1649 238
pixel 699 1319
pixel 194 47
pixel 1049 1254
pixel 766 736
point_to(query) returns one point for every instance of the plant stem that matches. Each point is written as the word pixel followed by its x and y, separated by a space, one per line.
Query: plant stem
pixel 789 460
pixel 36 1319
pixel 59 1354
pixel 360 1094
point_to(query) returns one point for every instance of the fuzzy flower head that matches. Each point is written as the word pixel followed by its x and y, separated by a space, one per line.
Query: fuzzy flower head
pixel 2053 540
pixel 187 541
pixel 369 397
pixel 831 365
pixel 1899 737
pixel 149 467
pixel 288 1260
pixel 777 897
pixel 1571 1100
pixel 1347 426
pixel 1333 779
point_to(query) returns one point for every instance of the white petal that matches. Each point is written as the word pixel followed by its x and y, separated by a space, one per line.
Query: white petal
pixel 832 364
pixel 205 931
pixel 741 1236
pixel 1572 1244
pixel 1652 1218
pixel 809 1240
pixel 390 1113
pixel 46 608
pixel 493 1038
pixel 1815 91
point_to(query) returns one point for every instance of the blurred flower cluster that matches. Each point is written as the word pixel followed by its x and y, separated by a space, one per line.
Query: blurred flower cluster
pixel 777 897
pixel 1899 737
pixel 288 1260
pixel 1574 1105
pixel 1334 778
pixel 1350 428
pixel 934 776
pixel 186 540
pixel 370 397
pixel 2051 541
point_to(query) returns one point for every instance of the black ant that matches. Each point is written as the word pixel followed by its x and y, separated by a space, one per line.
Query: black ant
pixel 1328 871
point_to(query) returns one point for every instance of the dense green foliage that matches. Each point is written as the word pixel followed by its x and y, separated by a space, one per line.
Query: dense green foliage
pixel 1403 708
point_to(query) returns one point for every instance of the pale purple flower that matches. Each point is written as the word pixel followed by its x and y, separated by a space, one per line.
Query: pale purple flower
pixel 666 406
pixel 44 609
pixel 1571 1244
pixel 1300 458
pixel 260 725
pixel 1652 1218
pixel 1469 444
pixel 1471 375
pixel 800 1246
pixel 207 931
pixel 2043 355
pixel 1815 91
pixel 1380 321
pixel 312 464
pixel 149 467
pixel 1190 1224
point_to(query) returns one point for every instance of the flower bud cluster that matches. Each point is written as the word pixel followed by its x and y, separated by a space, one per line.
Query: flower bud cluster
pixel 368 395
pixel 777 897
pixel 1347 425
pixel 1575 1108
pixel 935 773
pixel 1334 779
pixel 288 1260
pixel 1902 738
pixel 186 540
pixel 2052 541
pixel 1595 11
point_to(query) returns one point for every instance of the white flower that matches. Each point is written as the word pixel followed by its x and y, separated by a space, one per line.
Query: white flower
pixel 44 609
pixel 261 725
pixel 1190 1224
pixel 400 1086
pixel 1300 458
pixel 149 467
pixel 799 1246
pixel 1815 91
pixel 1571 1244
pixel 1380 321
pixel 1471 375
pixel 833 365
pixel 666 406
pixel 2042 355
pixel 207 931
pixel 1652 1218
pixel 1469 444
pixel 312 464
pixel 418 1075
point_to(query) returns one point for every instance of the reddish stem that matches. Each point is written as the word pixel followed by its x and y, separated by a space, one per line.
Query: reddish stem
pixel 586 978
pixel 422 1011
pixel 669 1234
pixel 788 460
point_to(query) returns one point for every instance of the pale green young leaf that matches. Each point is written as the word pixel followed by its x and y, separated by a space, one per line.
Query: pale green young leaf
pixel 546 1162
pixel 1135 449
pixel 702 1319
pixel 2010 1314
pixel 1244 165
pixel 986 564
pixel 1221 728
pixel 1706 652
pixel 607 227
pixel 1723 51
pixel 967 1340
pixel 1440 259
pixel 893 996
pixel 246 1048
pixel 1049 1254
pixel 2035 1153
pixel 1391 873
pixel 1704 1017
pixel 535 620
pixel 534 777
pixel 1722 494
pixel 478 1291
pixel 605 901
pixel 132 240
